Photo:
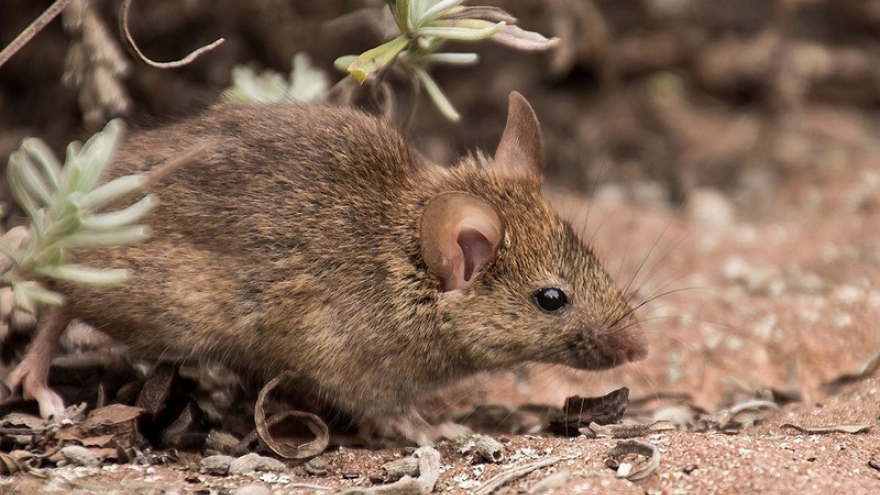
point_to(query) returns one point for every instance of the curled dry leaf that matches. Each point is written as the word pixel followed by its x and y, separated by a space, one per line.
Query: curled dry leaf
pixel 520 39
pixel 132 46
pixel 224 443
pixel 156 390
pixel 429 472
pixel 312 422
pixel 627 430
pixel 579 412
pixel 14 462
pixel 867 370
pixel 17 420
pixel 626 470
pixel 552 483
pixel 516 473
pixel 489 449
pixel 744 414
pixel 175 434
pixel 109 430
pixel 851 429
pixel 397 469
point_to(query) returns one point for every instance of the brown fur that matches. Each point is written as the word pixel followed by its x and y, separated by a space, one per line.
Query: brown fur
pixel 294 245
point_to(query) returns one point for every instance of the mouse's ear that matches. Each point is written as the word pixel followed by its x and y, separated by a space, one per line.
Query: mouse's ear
pixel 460 232
pixel 520 152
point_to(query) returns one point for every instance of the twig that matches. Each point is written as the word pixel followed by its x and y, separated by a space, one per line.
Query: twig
pixel 35 27
pixel 157 174
pixel 126 34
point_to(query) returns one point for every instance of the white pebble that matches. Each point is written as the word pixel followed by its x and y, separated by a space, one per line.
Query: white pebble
pixel 80 456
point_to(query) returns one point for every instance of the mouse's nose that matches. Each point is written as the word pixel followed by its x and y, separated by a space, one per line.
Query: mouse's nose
pixel 638 346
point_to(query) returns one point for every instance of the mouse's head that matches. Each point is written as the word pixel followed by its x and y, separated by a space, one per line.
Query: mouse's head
pixel 517 284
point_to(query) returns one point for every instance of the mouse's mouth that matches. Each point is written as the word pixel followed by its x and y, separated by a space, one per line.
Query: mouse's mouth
pixel 605 348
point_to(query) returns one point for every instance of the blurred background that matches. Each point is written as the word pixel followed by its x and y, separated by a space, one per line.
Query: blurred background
pixel 752 98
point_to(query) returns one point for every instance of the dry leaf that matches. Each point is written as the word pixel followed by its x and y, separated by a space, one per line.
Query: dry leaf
pixel 579 412
pixel 642 449
pixel 312 422
pixel 824 430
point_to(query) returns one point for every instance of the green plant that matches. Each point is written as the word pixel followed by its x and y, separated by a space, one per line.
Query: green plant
pixel 425 25
pixel 64 206
pixel 306 83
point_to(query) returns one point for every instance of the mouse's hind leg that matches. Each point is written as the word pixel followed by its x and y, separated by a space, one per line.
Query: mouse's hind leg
pixel 32 373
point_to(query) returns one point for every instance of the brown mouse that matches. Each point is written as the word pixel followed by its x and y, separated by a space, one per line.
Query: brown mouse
pixel 313 239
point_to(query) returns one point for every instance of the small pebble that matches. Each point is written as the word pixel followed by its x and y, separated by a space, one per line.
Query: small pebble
pixel 351 476
pixel 216 464
pixel 252 490
pixel 317 467
pixel 874 464
pixel 710 208
pixel 80 456
pixel 250 463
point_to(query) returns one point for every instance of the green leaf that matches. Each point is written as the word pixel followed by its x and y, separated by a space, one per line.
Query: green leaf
pixel 63 226
pixel 450 58
pixel 33 181
pixel 51 255
pixel 45 159
pixel 443 104
pixel 414 11
pixel 344 61
pixel 307 82
pixel 493 14
pixel 125 236
pixel 401 15
pixel 520 39
pixel 267 86
pixel 22 297
pixel 438 9
pixel 122 217
pixel 36 294
pixel 112 191
pixel 462 33
pixel 96 155
pixel 84 274
pixel 20 192
pixel 376 59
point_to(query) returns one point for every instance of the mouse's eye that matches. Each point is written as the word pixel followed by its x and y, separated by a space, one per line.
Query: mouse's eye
pixel 550 299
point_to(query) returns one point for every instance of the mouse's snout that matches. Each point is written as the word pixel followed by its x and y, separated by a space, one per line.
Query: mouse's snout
pixel 607 346
pixel 635 345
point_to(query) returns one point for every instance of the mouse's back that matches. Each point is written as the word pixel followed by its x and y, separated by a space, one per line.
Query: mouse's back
pixel 286 195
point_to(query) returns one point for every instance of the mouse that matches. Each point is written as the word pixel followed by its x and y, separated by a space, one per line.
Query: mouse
pixel 315 240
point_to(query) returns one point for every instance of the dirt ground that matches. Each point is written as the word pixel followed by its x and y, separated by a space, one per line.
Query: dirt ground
pixel 742 206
